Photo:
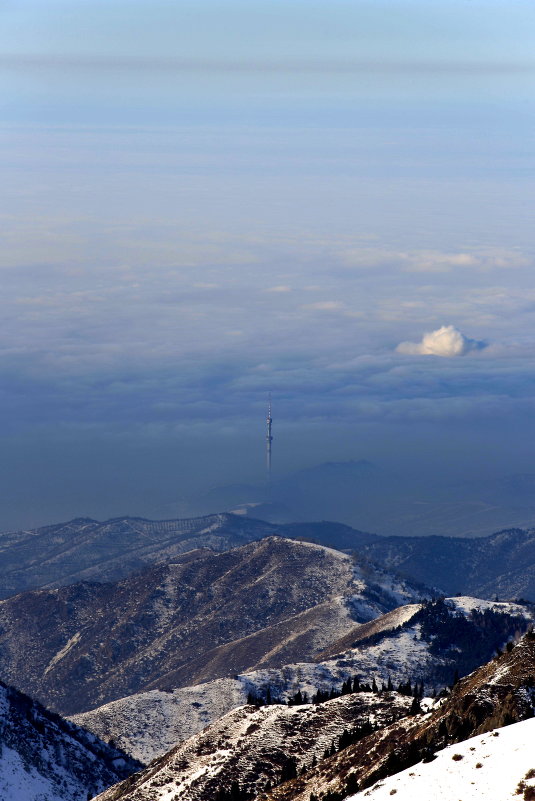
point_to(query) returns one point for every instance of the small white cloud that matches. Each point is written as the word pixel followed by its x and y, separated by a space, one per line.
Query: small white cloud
pixel 446 341
pixel 325 305
pixel 279 288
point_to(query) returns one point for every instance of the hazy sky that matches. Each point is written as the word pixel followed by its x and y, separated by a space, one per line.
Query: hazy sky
pixel 204 202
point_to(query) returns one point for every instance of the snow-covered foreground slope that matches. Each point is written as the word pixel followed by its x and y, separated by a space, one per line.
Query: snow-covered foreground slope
pixel 45 758
pixel 147 725
pixel 330 750
pixel 496 766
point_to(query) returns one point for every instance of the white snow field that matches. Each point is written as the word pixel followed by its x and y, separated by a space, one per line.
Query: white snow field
pixel 496 766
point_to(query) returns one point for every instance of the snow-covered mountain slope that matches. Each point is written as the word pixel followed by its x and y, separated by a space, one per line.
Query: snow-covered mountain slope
pixel 46 758
pixel 147 725
pixel 417 642
pixel 500 692
pixel 496 766
pixel 257 747
pixel 201 617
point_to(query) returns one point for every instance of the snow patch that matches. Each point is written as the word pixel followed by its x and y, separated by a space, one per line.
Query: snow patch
pixel 63 651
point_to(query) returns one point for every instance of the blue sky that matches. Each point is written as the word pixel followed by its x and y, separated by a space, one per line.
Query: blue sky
pixel 205 202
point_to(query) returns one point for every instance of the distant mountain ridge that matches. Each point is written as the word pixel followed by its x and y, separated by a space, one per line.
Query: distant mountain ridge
pixel 84 549
pixel 501 564
pixel 367 496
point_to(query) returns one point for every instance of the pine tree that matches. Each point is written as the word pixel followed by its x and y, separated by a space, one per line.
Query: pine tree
pixel 289 769
pixel 415 706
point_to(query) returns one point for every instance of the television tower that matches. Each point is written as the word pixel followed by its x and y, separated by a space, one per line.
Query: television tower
pixel 269 440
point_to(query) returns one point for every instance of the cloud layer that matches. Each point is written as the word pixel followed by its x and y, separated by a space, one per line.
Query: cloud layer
pixel 446 341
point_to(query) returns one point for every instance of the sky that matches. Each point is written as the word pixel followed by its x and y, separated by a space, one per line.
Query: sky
pixel 206 202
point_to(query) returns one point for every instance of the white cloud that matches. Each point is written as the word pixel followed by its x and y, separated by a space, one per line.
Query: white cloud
pixel 324 305
pixel 446 341
pixel 436 261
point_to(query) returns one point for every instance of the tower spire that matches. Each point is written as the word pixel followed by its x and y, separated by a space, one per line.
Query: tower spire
pixel 269 440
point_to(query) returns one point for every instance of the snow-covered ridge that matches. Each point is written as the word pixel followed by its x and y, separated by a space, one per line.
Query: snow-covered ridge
pixel 467 604
pixel 256 746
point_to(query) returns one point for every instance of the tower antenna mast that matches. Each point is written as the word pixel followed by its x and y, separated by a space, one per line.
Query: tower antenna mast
pixel 269 440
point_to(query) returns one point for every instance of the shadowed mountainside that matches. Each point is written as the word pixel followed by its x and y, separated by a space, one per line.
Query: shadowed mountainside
pixel 502 564
pixel 46 758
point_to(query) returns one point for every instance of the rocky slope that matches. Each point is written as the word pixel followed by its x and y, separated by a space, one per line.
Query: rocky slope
pixel 46 758
pixel 201 617
pixel 423 643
